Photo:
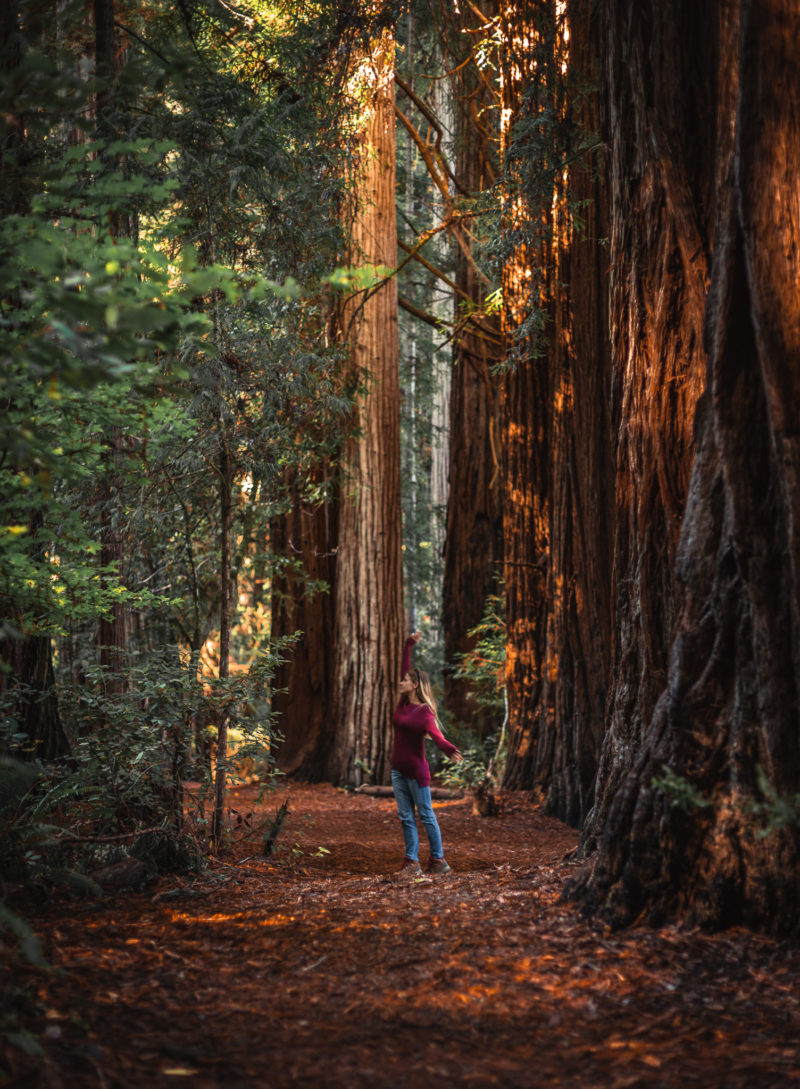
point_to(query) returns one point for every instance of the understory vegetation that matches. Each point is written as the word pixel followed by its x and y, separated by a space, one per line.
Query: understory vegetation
pixel 175 178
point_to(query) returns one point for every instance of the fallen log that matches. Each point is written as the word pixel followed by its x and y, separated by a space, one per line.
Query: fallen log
pixel 439 794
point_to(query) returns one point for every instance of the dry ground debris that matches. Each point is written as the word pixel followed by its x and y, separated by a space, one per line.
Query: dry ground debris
pixel 323 969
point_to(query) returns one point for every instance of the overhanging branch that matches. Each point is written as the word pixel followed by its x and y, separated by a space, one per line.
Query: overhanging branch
pixel 431 118
pixel 423 315
pixel 438 174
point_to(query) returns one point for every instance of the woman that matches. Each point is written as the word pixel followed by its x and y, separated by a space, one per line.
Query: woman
pixel 414 717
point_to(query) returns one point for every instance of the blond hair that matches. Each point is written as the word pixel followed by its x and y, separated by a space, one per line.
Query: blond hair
pixel 425 689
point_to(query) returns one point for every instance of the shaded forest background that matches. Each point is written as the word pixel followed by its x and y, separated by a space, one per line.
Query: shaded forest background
pixel 325 321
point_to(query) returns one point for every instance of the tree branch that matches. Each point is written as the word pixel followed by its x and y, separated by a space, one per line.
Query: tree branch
pixel 487 21
pixel 423 315
pixel 439 179
pixel 413 252
pixel 150 48
pixel 428 114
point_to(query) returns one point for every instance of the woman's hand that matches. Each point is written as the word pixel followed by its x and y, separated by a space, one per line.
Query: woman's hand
pixel 415 636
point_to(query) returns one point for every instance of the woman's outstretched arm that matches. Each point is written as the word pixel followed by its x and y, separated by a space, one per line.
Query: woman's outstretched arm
pixel 410 642
pixel 447 747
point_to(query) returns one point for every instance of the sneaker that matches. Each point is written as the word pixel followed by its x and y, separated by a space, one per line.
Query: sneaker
pixel 437 867
pixel 410 868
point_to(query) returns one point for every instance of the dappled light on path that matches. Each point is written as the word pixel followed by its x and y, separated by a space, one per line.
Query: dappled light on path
pixel 319 971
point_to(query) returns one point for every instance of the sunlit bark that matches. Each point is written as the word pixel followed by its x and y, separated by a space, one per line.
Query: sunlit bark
pixel 527 400
pixel 555 438
pixel 582 514
pixel 695 159
pixel 341 679
pixel 368 606
pixel 661 174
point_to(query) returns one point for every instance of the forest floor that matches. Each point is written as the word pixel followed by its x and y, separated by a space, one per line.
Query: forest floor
pixel 325 970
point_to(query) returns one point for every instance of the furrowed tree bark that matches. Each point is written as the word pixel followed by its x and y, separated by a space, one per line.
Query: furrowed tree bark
pixel 527 390
pixel 305 536
pixel 556 430
pixel 368 595
pixel 726 723
pixel 473 535
pixel 30 688
pixel 340 679
pixel 582 525
pixel 658 86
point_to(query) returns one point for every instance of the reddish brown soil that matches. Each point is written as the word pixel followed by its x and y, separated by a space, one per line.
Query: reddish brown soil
pixel 328 972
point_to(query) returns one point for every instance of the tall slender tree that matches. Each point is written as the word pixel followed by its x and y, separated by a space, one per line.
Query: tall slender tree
pixel 111 629
pixel 532 329
pixel 426 286
pixel 473 541
pixel 582 485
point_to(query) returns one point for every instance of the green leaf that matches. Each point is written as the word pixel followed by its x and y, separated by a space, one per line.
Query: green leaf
pixel 26 1042
pixel 29 943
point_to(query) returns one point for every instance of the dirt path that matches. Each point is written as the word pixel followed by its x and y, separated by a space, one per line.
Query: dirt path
pixel 327 972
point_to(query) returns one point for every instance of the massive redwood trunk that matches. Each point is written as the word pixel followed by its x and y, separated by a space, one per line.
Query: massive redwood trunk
pixel 368 597
pixel 556 429
pixel 658 96
pixel 694 159
pixel 341 678
pixel 583 509
pixel 530 272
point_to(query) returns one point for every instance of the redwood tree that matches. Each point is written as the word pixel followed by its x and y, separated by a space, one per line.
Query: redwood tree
pixel 336 716
pixel 473 540
pixel 555 415
pixel 658 96
pixel 306 537
pixel 111 627
pixel 703 740
pixel 368 601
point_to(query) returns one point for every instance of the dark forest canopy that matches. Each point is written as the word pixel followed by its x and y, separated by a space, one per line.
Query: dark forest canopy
pixel 314 310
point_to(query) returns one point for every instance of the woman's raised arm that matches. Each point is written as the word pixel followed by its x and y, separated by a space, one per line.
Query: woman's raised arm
pixel 405 665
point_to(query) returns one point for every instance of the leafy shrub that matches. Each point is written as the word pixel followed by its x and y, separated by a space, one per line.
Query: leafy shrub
pixel 484 665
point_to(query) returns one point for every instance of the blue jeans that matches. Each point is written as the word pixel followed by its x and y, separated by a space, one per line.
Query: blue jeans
pixel 408 795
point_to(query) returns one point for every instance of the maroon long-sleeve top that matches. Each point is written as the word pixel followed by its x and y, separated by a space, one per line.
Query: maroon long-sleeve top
pixel 412 721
